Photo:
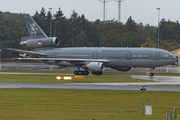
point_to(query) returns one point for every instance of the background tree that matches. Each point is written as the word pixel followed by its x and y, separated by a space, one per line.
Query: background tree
pixel 86 33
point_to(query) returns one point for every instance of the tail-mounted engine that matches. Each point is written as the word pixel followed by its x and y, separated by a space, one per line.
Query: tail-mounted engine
pixel 41 42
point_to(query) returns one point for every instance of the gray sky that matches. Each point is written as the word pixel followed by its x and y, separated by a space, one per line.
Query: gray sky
pixel 140 10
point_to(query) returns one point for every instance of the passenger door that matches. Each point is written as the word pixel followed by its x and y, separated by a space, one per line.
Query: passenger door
pixel 128 58
pixel 157 56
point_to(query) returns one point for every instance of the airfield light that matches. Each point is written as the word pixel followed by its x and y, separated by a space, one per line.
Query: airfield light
pixel 67 78
pixel 79 77
pixel 64 78
pixel 59 78
pixel 51 67
pixel 19 58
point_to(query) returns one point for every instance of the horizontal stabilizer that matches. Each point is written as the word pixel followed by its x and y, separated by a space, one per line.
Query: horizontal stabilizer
pixel 26 52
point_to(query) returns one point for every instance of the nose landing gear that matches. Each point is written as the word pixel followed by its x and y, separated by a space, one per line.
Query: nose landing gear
pixel 81 72
pixel 151 72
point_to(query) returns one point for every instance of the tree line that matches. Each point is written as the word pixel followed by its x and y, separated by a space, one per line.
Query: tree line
pixel 78 31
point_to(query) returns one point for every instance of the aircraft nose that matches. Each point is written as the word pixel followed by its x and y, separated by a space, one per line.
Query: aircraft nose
pixel 175 58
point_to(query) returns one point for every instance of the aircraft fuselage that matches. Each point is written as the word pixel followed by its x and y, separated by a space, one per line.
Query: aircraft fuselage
pixel 117 57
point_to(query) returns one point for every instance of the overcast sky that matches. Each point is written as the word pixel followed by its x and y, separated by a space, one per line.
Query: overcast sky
pixel 140 10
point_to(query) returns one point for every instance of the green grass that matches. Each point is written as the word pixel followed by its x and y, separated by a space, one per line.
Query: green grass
pixel 65 104
pixel 19 78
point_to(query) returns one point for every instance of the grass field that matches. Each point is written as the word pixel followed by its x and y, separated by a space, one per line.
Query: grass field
pixel 71 104
pixel 65 104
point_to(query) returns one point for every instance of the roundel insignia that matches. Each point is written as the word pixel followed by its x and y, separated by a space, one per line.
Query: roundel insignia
pixel 39 42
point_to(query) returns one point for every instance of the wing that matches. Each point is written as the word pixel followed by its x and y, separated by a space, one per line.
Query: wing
pixel 26 52
pixel 64 59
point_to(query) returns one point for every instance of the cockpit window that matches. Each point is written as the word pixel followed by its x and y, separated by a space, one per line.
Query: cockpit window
pixel 170 55
pixel 166 55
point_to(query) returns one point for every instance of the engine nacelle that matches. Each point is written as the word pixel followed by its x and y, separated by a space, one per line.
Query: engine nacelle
pixel 41 42
pixel 124 69
pixel 95 66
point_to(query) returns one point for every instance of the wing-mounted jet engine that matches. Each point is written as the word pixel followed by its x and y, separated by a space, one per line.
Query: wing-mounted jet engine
pixel 97 68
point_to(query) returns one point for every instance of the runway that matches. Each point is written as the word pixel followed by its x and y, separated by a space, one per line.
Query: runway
pixel 41 66
pixel 88 86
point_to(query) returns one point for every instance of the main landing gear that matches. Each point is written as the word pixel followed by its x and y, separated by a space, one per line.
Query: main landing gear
pixel 86 72
pixel 151 73
pixel 79 72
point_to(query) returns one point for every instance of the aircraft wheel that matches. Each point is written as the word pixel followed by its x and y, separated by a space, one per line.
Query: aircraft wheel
pixel 76 72
pixel 151 74
pixel 83 73
pixel 80 73
pixel 97 73
pixel 86 72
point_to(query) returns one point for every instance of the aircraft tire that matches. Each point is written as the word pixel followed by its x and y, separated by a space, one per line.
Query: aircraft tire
pixel 76 73
pixel 80 72
pixel 86 72
pixel 97 73
pixel 151 74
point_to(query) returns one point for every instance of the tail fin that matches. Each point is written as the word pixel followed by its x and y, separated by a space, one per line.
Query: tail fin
pixel 33 29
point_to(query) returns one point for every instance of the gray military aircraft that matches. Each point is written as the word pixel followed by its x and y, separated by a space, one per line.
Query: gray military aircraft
pixel 88 58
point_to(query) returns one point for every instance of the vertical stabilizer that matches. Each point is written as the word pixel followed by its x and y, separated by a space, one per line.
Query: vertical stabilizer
pixel 33 29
